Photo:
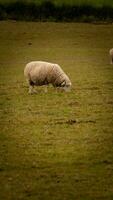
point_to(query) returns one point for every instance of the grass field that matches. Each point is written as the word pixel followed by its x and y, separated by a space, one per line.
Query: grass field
pixel 56 145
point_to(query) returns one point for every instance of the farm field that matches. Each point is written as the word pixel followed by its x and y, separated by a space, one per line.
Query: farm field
pixel 56 145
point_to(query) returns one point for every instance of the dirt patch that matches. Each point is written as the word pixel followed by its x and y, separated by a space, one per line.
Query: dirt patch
pixel 74 103
pixel 110 102
pixel 73 121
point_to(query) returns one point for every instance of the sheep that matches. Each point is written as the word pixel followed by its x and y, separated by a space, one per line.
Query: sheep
pixel 40 73
pixel 111 55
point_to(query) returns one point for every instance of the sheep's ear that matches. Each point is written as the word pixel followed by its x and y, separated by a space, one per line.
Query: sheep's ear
pixel 63 83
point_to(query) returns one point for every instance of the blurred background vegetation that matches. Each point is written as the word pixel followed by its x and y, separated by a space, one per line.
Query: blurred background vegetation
pixel 71 2
pixel 56 10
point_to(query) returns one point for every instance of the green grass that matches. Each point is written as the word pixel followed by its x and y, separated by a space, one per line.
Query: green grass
pixel 56 146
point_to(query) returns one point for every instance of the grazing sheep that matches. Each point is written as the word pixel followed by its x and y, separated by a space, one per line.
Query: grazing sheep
pixel 111 56
pixel 43 73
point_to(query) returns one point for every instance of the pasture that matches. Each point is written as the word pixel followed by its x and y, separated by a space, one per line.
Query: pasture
pixel 56 145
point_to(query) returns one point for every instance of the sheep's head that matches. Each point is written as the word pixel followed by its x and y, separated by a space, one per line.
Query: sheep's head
pixel 66 85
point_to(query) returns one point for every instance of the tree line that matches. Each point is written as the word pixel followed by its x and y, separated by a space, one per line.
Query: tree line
pixel 48 11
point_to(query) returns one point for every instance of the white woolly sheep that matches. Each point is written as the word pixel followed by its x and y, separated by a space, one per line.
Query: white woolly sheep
pixel 111 56
pixel 40 73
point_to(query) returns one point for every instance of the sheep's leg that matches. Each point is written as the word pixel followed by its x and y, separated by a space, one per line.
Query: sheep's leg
pixel 45 89
pixel 111 62
pixel 55 89
pixel 31 89
pixel 34 91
